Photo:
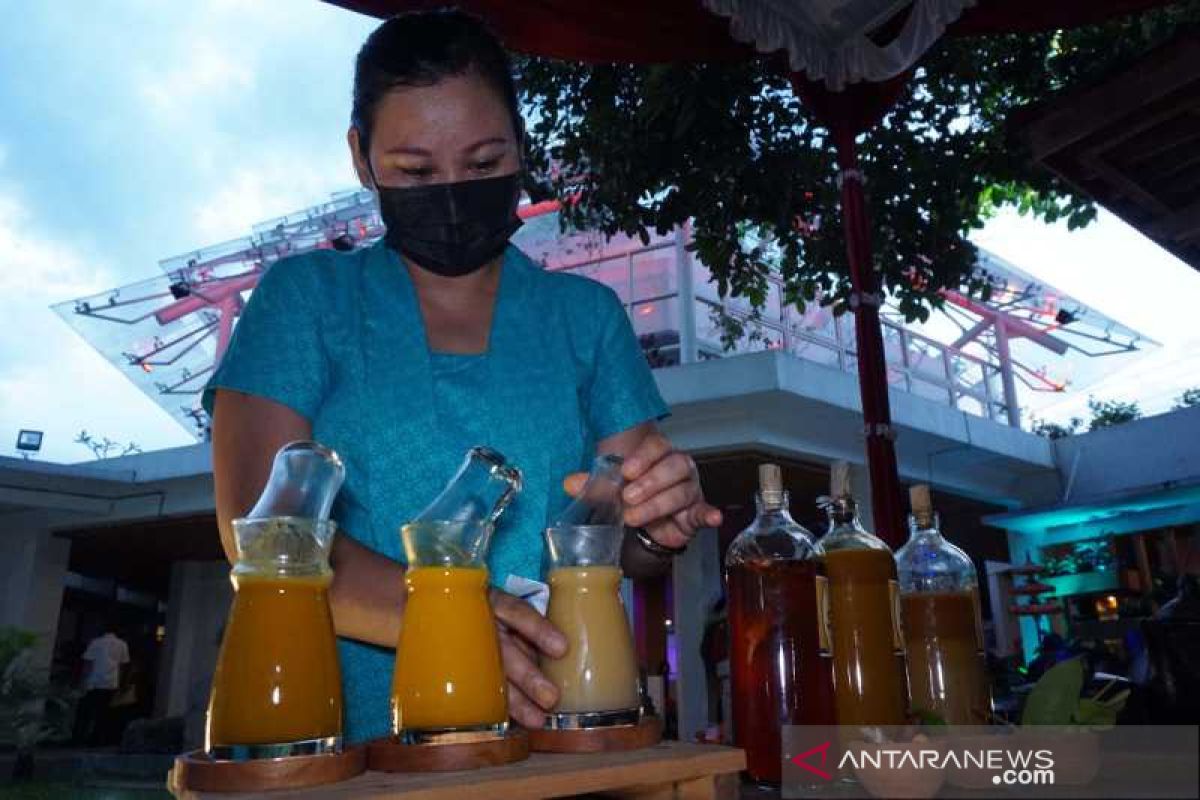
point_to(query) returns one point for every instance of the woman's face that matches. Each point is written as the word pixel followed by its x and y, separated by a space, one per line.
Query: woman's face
pixel 458 129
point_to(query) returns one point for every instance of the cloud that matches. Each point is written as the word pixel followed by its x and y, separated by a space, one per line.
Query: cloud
pixel 33 268
pixel 52 380
pixel 1108 265
pixel 278 185
pixel 205 70
pixel 162 128
pixel 1154 382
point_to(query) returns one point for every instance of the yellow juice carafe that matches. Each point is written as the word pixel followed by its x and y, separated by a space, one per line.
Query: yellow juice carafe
pixel 277 687
pixel 449 684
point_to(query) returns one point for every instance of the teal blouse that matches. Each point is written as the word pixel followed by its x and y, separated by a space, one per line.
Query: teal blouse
pixel 339 338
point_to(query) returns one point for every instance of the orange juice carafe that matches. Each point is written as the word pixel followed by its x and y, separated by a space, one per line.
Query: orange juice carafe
pixel 277 687
pixel 869 675
pixel 939 598
pixel 449 682
pixel 597 678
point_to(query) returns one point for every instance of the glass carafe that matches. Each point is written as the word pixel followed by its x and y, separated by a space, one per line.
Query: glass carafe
pixel 449 684
pixel 869 676
pixel 939 598
pixel 780 654
pixel 277 688
pixel 597 678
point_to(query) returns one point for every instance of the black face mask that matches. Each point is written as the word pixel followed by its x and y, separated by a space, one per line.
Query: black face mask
pixel 451 229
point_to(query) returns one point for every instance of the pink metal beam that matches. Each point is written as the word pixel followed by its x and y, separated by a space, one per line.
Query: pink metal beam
pixel 1016 327
pixel 228 309
pixel 206 295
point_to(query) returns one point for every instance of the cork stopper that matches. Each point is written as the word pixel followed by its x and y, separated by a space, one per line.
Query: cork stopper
pixel 770 478
pixel 922 504
pixel 840 502
pixel 770 484
pixel 839 480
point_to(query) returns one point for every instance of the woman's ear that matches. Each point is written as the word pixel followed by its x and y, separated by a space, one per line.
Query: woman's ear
pixel 362 166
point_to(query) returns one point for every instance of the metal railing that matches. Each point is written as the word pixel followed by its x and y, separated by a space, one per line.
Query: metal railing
pixel 674 312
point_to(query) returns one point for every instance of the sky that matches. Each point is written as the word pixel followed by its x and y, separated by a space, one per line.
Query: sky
pixel 135 130
pixel 131 131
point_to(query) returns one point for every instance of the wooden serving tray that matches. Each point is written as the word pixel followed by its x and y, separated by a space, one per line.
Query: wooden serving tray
pixel 647 732
pixel 666 770
pixel 389 755
pixel 196 772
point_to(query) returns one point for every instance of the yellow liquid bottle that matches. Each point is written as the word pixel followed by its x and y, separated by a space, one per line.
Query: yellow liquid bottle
pixel 277 681
pixel 448 685
pixel 947 662
pixel 448 674
pixel 277 688
pixel 869 671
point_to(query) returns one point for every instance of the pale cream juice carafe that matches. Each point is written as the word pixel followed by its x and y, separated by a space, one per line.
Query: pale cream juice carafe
pixel 599 671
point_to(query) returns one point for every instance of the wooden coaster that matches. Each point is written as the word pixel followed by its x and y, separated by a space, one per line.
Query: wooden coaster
pixel 388 755
pixel 645 733
pixel 196 772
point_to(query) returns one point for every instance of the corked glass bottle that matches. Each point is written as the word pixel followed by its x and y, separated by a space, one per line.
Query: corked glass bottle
pixel 864 608
pixel 939 599
pixel 780 660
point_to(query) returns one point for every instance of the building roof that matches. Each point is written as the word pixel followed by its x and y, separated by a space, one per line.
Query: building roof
pixel 1126 478
pixel 1132 141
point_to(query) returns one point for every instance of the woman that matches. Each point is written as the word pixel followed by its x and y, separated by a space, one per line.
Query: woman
pixel 403 355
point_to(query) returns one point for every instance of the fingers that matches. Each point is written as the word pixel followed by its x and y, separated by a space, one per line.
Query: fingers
pixel 696 516
pixel 669 533
pixel 530 694
pixel 649 451
pixel 679 528
pixel 673 468
pixel 526 712
pixel 663 505
pixel 702 515
pixel 527 622
pixel 573 483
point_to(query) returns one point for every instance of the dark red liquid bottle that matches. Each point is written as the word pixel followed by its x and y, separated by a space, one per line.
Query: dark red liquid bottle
pixel 780 660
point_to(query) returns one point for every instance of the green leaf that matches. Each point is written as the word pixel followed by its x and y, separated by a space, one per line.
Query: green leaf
pixel 1055 696
pixel 1100 714
pixel 927 718
pixel 729 147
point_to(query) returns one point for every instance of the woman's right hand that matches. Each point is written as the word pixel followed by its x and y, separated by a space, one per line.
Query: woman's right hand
pixel 524 633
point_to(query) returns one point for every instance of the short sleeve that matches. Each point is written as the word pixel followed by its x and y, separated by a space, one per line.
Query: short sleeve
pixel 622 391
pixel 90 653
pixel 123 654
pixel 275 351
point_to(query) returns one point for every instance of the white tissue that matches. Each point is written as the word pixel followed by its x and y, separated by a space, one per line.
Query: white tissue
pixel 536 593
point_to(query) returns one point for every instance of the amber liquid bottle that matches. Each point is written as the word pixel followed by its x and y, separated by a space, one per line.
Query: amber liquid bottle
pixel 779 659
pixel 947 666
pixel 870 684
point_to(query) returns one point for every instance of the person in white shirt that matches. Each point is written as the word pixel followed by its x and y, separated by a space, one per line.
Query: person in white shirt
pixel 105 664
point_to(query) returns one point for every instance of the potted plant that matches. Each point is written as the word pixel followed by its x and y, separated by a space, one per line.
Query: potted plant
pixel 1057 718
pixel 32 710
pixel 905 778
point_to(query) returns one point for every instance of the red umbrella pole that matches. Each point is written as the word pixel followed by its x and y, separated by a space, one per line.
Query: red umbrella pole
pixel 872 367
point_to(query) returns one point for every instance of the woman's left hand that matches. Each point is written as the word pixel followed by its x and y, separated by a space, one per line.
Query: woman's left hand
pixel 662 492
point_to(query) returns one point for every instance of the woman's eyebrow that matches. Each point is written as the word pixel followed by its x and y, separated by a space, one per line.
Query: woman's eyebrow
pixel 485 142
pixel 421 151
pixel 408 150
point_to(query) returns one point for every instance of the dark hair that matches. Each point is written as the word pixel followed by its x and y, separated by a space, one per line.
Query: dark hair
pixel 422 48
